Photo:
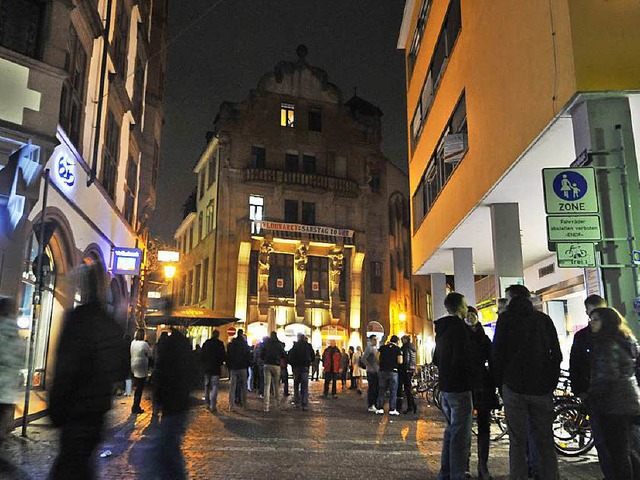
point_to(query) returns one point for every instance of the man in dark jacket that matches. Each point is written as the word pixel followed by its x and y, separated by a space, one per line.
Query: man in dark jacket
pixel 272 353
pixel 238 360
pixel 90 359
pixel 213 355
pixel 455 376
pixel 407 370
pixel 173 374
pixel 526 362
pixel 300 358
pixel 580 376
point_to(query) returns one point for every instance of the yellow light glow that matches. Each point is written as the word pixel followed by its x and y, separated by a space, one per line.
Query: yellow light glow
pixel 402 317
pixel 169 271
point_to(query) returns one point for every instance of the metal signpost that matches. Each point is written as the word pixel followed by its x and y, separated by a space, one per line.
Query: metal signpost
pixel 573 223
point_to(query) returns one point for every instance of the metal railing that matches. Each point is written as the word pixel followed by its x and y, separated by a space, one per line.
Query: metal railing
pixel 341 185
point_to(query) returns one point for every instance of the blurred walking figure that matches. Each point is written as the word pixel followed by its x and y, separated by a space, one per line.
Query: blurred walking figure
pixel 140 355
pixel 213 355
pixel 12 356
pixel 370 357
pixel 238 361
pixel 453 359
pixel 359 368
pixel 259 361
pixel 613 395
pixel 351 353
pixel 90 359
pixel 272 353
pixel 331 358
pixel 484 394
pixel 390 360
pixel 407 369
pixel 344 367
pixel 315 368
pixel 300 357
pixel 526 365
pixel 173 376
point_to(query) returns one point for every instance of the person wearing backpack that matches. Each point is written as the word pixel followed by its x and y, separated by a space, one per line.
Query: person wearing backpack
pixel 300 358
pixel 526 364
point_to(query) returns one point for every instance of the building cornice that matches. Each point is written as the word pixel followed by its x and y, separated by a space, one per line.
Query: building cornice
pixel 406 23
pixel 186 223
pixel 208 151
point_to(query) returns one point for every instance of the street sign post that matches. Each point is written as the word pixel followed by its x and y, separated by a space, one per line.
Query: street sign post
pixel 574 229
pixel 576 255
pixel 570 191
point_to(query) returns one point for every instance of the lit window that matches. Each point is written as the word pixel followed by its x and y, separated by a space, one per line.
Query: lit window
pixel 287 115
pixel 256 213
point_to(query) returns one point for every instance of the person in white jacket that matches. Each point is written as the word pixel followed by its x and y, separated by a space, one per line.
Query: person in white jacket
pixel 140 354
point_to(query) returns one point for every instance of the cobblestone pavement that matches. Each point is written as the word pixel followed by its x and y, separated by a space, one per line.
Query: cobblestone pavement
pixel 335 438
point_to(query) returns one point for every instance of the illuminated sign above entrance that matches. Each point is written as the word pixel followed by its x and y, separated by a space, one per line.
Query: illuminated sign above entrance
pixel 570 191
pixel 126 261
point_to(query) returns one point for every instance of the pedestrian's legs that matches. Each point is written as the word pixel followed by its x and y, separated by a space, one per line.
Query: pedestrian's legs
pixel 275 375
pixel 213 404
pixel 137 396
pixel 250 379
pixel 445 459
pixel 296 385
pixel 78 442
pixel 459 423
pixel 243 387
pixel 616 430
pixel 327 381
pixel 207 390
pixel 170 463
pixel 267 387
pixel 383 384
pixel 372 392
pixel 393 391
pixel 353 379
pixel 334 380
pixel 304 387
pixel 541 415
pixel 517 414
pixel 601 447
pixel 407 378
pixel 261 379
pixel 233 385
pixel 284 376
pixel 483 420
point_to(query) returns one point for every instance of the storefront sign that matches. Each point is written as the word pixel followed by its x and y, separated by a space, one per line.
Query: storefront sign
pixel 126 261
pixel 310 229
pixel 570 190
pixel 576 255
pixel 65 171
pixel 168 256
pixel 576 229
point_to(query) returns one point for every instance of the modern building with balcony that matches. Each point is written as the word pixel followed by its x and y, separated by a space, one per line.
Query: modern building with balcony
pixel 299 222
pixel 80 117
pixel 496 92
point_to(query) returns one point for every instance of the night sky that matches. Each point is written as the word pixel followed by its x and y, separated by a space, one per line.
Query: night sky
pixel 222 56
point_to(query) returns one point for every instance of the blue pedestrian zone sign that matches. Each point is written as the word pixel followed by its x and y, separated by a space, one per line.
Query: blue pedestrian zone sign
pixel 570 191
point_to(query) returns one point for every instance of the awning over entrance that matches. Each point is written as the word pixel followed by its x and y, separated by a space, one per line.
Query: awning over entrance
pixel 190 317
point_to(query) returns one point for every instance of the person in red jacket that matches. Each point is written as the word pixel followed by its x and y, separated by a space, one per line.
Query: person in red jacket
pixel 331 361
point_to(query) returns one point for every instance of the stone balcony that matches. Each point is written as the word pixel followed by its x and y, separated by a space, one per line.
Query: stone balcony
pixel 342 186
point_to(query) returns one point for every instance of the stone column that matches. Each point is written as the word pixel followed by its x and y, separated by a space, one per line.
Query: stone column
pixel 603 128
pixel 438 293
pixel 507 247
pixel 463 274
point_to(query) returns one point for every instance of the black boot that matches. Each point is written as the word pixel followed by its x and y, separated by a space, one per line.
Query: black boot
pixel 483 457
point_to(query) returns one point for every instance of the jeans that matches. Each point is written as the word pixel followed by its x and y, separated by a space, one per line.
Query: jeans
pixel 137 396
pixel 483 421
pixel 261 379
pixel 456 444
pixel 211 390
pixel 301 386
pixel 535 413
pixel 271 379
pixel 604 457
pixel 284 378
pixel 238 382
pixel 372 393
pixel 250 379
pixel 78 442
pixel 405 378
pixel 616 436
pixel 330 377
pixel 387 381
pixel 169 461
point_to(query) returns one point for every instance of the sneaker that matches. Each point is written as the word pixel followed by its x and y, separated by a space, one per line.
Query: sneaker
pixel 372 409
pixel 379 411
pixel 394 412
pixel 261 396
pixel 335 396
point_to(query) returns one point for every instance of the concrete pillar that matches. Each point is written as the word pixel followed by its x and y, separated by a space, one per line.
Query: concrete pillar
pixel 507 247
pixel 605 125
pixel 463 274
pixel 438 292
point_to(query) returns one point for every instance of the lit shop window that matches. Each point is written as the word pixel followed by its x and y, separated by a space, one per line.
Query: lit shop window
pixel 256 213
pixel 287 115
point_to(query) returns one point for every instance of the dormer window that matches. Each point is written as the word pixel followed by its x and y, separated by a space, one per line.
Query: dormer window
pixel 287 115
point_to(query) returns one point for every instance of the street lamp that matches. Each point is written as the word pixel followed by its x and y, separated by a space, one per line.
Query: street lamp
pixel 169 271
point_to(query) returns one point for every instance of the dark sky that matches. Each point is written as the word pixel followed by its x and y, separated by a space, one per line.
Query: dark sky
pixel 222 56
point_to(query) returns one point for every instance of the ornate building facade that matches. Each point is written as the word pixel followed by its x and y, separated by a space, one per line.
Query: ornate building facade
pixel 301 224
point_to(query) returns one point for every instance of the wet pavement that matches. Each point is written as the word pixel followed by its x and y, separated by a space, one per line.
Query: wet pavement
pixel 335 438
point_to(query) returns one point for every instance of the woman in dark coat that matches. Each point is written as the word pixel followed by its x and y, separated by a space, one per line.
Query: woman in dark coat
pixel 613 393
pixel 484 397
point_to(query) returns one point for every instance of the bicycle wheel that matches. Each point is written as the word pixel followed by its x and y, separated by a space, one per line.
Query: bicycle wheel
pixel 498 419
pixel 572 430
pixel 437 396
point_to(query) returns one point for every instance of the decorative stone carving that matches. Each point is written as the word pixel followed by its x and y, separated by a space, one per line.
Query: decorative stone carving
pixel 266 248
pixel 300 260
pixel 336 266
